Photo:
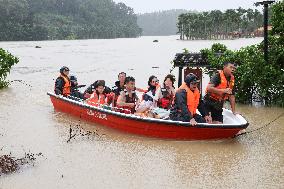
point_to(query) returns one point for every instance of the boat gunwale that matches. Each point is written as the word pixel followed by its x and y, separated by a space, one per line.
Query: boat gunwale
pixel 152 120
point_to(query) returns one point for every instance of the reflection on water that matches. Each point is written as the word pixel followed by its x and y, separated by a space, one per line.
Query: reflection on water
pixel 113 159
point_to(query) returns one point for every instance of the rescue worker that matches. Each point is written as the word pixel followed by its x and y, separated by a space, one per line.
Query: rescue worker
pixel 187 101
pixel 98 97
pixel 128 99
pixel 62 83
pixel 220 88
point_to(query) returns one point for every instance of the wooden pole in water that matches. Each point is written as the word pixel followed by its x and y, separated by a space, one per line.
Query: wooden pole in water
pixel 180 76
pixel 265 26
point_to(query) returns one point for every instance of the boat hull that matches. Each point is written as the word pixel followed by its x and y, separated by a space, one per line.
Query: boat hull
pixel 150 127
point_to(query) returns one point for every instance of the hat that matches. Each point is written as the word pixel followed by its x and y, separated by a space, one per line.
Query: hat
pixel 73 78
pixel 64 68
pixel 191 78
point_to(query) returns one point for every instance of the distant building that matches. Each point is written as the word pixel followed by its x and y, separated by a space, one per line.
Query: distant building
pixel 259 31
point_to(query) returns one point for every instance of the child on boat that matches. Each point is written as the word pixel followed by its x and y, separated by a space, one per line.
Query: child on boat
pixel 98 97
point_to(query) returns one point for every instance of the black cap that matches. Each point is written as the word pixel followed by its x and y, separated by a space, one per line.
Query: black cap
pixel 64 68
pixel 73 78
pixel 191 78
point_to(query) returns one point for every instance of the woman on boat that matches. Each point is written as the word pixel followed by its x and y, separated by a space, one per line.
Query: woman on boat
pixel 166 95
pixel 98 97
pixel 128 99
pixel 92 88
pixel 150 98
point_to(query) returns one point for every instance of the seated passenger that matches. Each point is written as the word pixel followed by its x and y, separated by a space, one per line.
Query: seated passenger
pixel 62 83
pixel 98 97
pixel 167 92
pixel 150 98
pixel 166 95
pixel 187 101
pixel 75 89
pixel 117 88
pixel 87 93
pixel 128 99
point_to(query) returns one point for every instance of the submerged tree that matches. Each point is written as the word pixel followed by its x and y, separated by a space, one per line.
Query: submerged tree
pixel 6 62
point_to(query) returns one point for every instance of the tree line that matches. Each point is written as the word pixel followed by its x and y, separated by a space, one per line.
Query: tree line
pixel 66 19
pixel 232 23
pixel 254 76
pixel 160 23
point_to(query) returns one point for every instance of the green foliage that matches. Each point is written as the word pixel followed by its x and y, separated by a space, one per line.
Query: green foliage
pixel 253 75
pixel 232 23
pixel 6 62
pixel 277 19
pixel 66 19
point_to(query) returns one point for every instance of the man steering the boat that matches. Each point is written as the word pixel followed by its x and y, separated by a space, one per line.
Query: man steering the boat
pixel 128 99
pixel 187 101
pixel 221 88
pixel 63 83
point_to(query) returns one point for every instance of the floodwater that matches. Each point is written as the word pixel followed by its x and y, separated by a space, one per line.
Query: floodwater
pixel 112 159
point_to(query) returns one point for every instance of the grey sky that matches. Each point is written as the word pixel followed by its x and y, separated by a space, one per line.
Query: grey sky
pixel 142 6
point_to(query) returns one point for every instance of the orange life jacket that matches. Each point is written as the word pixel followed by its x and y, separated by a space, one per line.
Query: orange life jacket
pixel 223 85
pixel 67 87
pixel 95 100
pixel 192 97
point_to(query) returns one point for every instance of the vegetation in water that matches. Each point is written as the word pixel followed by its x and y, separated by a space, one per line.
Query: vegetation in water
pixel 6 62
pixel 253 74
pixel 233 23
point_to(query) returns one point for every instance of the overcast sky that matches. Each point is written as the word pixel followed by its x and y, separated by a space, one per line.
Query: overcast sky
pixel 142 6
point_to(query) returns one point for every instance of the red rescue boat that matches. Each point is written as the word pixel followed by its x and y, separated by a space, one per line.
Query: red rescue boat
pixel 150 127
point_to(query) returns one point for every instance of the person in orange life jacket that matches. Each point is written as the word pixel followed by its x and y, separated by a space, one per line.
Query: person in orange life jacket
pixel 150 97
pixel 87 93
pixel 62 83
pixel 220 88
pixel 128 99
pixel 98 97
pixel 187 101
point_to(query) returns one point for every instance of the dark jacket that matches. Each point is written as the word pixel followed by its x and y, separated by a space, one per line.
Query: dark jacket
pixel 76 93
pixel 116 89
pixel 179 111
pixel 59 84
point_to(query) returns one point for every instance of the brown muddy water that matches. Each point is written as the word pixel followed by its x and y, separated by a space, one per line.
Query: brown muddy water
pixel 112 159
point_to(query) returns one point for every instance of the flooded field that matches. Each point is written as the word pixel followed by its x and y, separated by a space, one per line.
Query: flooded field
pixel 107 158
